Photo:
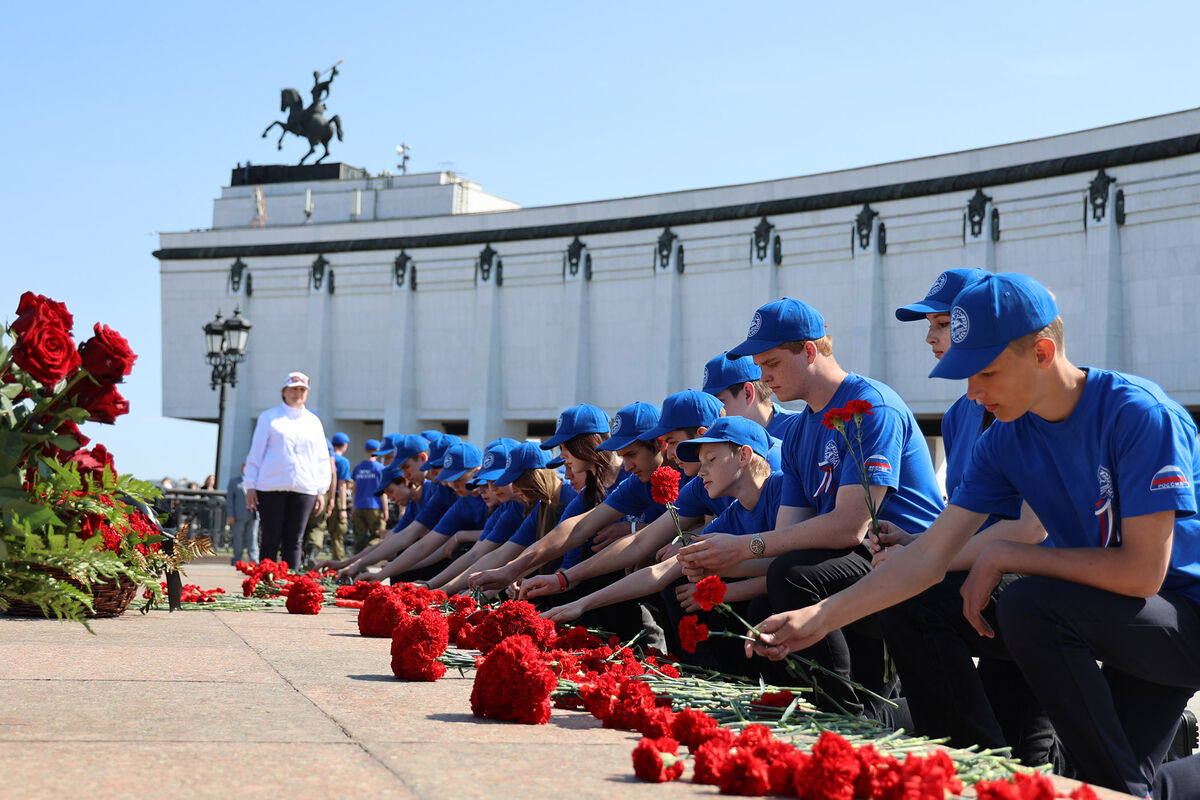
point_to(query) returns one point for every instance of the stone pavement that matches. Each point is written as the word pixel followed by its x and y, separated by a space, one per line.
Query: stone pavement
pixel 217 704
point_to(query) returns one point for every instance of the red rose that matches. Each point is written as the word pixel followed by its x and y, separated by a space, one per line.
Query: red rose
pixel 657 760
pixel 107 355
pixel 691 632
pixel 44 348
pixel 102 402
pixel 709 592
pixel 664 485
pixel 32 306
pixel 93 462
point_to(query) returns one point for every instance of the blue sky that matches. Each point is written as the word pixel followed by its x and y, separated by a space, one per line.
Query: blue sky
pixel 124 119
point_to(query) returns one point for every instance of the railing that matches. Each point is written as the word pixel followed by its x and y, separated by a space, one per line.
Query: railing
pixel 202 510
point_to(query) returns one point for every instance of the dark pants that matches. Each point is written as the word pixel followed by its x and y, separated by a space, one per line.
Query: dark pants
pixel 1116 721
pixel 282 517
pixel 1178 780
pixel 802 578
pixel 989 706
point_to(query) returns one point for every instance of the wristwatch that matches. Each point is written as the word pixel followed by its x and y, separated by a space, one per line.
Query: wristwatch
pixel 757 546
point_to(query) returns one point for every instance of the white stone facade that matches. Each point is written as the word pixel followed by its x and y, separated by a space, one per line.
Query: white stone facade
pixel 626 324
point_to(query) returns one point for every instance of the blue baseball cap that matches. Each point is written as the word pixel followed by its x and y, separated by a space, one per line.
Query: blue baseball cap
pixel 555 462
pixel 408 446
pixel 724 371
pixel 340 438
pixel 438 449
pixel 459 458
pixel 432 436
pixel 495 456
pixel 522 458
pixel 784 320
pixel 371 444
pixel 391 473
pixel 941 295
pixel 576 421
pixel 735 430
pixel 686 409
pixel 990 314
pixel 630 424
pixel 388 445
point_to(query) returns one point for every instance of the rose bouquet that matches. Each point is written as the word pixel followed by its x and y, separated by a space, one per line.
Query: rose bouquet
pixel 69 523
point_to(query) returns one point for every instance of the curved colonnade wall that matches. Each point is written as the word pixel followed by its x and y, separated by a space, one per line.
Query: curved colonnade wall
pixel 421 301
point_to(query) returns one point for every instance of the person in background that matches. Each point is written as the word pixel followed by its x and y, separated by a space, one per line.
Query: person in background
pixel 242 522
pixel 287 471
pixel 370 513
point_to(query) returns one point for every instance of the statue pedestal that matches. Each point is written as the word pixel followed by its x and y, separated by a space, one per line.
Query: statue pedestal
pixel 258 174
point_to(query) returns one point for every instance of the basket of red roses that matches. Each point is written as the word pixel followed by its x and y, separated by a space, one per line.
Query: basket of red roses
pixel 76 537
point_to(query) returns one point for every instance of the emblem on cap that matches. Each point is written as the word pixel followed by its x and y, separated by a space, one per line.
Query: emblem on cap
pixel 616 425
pixel 448 461
pixel 960 325
pixel 938 285
pixel 558 425
pixel 755 324
pixel 508 461
pixel 488 460
pixel 704 380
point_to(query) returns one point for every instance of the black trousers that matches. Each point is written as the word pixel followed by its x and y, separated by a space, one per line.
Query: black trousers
pixel 1178 780
pixel 1116 721
pixel 282 517
pixel 991 706
pixel 802 578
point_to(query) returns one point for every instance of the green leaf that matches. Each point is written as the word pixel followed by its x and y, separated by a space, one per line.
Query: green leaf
pixel 65 442
pixel 11 390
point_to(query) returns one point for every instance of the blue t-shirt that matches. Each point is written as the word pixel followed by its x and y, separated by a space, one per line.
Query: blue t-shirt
pixel 436 499
pixel 632 498
pixel 467 514
pixel 366 482
pixel 740 521
pixel 781 421
pixel 818 460
pixel 694 501
pixel 962 425
pixel 504 522
pixel 1125 450
pixel 527 533
pixel 579 506
pixel 341 467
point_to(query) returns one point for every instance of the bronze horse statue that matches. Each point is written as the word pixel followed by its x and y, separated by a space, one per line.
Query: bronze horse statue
pixel 307 123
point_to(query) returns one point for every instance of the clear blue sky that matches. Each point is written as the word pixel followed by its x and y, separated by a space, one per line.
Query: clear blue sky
pixel 123 119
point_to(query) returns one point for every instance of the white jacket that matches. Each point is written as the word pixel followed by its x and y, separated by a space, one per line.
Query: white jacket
pixel 288 453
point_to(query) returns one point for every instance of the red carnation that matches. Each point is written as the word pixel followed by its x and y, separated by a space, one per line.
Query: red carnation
pixel 417 642
pixel 305 597
pixel 513 683
pixel 745 773
pixel 379 613
pixel 102 401
pixel 710 591
pixel 836 418
pixel 692 632
pixel 781 699
pixel 356 591
pixel 784 768
pixel 832 771
pixel 859 407
pixel 635 699
pixel 693 727
pixel 664 485
pixel 578 638
pixel 709 760
pixel 44 348
pixel 657 760
pixel 107 355
pixel 657 722
pixel 879 776
pixel 513 618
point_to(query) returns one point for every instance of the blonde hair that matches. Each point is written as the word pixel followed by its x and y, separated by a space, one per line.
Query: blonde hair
pixel 824 345
pixel 541 485
pixel 1054 332
pixel 759 467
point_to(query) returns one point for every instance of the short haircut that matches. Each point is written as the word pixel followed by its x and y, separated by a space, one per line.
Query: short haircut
pixel 824 345
pixel 761 390
pixel 758 465
pixel 1054 332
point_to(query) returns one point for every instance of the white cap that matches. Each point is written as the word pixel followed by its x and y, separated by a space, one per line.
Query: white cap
pixel 296 379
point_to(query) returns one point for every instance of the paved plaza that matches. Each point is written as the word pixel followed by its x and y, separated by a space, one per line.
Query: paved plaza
pixel 216 704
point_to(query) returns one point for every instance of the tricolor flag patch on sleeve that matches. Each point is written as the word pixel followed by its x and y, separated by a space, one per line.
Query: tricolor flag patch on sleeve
pixel 1169 477
pixel 878 463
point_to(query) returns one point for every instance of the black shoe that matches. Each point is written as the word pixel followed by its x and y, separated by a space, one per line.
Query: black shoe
pixel 1187 738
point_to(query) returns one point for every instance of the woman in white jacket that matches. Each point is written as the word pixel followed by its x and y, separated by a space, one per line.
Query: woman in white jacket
pixel 287 471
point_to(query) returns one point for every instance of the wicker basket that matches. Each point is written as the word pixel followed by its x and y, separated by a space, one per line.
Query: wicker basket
pixel 109 599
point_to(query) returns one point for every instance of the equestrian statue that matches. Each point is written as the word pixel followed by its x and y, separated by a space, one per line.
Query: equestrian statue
pixel 309 123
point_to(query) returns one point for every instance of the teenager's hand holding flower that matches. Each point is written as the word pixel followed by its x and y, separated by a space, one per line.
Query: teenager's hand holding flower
pixel 715 551
pixel 668 551
pixel 568 613
pixel 540 586
pixel 788 632
pixel 686 595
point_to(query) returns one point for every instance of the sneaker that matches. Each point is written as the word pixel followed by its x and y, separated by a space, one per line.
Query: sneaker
pixel 1187 738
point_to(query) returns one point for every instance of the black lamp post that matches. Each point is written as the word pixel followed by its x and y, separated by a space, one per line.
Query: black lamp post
pixel 226 342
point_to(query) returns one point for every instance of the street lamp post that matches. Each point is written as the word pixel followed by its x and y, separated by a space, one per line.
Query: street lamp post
pixel 226 342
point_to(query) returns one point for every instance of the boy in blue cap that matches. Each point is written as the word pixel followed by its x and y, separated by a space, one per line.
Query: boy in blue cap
pixel 1110 465
pixel 370 515
pixel 738 384
pixel 819 535
pixel 993 706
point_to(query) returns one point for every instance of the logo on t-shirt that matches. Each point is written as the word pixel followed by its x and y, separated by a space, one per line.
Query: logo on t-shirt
pixel 938 285
pixel 1104 512
pixel 1169 477
pixel 960 324
pixel 616 425
pixel 755 324
pixel 827 466
pixel 878 464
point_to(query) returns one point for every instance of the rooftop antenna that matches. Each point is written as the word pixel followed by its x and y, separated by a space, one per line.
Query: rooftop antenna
pixel 403 150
